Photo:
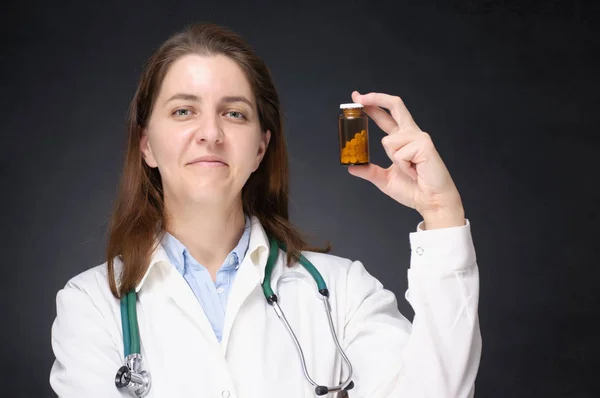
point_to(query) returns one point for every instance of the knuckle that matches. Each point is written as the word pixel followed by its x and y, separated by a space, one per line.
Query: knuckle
pixel 397 156
pixel 427 140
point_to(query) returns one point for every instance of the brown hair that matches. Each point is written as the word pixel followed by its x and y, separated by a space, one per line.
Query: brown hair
pixel 138 217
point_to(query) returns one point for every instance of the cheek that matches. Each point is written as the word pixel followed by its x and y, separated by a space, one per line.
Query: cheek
pixel 253 148
pixel 166 145
pixel 246 151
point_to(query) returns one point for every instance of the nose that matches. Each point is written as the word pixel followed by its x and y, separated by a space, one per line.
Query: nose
pixel 209 130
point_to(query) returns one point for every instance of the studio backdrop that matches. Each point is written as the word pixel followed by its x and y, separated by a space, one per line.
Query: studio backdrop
pixel 507 90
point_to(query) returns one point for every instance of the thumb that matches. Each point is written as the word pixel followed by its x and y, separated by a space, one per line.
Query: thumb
pixel 370 172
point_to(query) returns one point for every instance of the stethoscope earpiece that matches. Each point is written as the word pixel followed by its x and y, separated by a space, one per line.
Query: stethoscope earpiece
pixel 322 390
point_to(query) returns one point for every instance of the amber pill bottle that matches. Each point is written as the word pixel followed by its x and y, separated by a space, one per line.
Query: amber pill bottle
pixel 353 131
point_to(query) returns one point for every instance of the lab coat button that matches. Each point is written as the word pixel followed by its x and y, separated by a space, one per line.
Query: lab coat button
pixel 225 394
pixel 419 251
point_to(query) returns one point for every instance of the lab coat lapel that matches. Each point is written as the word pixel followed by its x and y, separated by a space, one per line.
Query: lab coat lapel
pixel 164 280
pixel 183 296
pixel 249 277
pixel 246 281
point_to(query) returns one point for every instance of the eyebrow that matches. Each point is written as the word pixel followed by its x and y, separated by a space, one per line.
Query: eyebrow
pixel 227 99
pixel 185 97
pixel 236 98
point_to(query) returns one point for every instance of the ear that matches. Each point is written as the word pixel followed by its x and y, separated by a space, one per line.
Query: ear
pixel 147 150
pixel 262 148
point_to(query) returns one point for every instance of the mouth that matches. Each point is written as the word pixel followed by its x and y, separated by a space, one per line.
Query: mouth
pixel 208 161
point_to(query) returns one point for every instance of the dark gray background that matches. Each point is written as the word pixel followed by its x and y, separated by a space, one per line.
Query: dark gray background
pixel 509 92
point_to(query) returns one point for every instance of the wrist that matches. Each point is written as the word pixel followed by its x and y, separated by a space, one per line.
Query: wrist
pixel 444 219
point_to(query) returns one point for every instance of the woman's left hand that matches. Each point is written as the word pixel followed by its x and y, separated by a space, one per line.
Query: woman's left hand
pixel 417 177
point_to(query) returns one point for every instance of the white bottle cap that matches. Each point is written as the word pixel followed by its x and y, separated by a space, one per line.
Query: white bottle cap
pixel 351 106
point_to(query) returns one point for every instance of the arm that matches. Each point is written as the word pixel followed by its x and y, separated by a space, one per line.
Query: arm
pixel 438 355
pixel 87 356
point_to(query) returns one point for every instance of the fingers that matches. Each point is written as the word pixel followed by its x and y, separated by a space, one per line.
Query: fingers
pixel 383 119
pixel 371 172
pixel 402 149
pixel 403 158
pixel 394 104
pixel 391 143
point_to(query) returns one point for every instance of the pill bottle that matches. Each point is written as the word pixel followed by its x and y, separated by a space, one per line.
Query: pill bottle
pixel 353 131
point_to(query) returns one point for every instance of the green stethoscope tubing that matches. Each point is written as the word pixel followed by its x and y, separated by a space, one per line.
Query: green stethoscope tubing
pixel 131 333
pixel 273 252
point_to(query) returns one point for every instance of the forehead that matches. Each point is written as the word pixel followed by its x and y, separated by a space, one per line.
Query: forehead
pixel 208 76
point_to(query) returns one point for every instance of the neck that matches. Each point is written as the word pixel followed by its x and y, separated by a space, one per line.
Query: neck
pixel 209 233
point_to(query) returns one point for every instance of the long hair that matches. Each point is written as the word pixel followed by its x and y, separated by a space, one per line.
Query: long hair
pixel 138 217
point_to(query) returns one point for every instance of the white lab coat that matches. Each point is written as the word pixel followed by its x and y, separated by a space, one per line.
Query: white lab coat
pixel 437 356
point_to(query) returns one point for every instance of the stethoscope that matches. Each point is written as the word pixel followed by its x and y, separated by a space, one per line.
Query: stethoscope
pixel 139 381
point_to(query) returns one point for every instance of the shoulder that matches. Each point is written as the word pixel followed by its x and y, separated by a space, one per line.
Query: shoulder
pixel 327 259
pixel 92 286
pixel 87 315
pixel 339 269
pixel 94 277
pixel 353 290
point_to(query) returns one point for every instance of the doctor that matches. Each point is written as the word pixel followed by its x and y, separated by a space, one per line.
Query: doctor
pixel 203 198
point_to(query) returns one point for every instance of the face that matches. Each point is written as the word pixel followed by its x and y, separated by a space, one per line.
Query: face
pixel 204 134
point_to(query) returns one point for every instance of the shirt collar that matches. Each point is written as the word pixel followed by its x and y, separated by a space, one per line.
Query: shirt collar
pixel 257 250
pixel 239 252
pixel 175 251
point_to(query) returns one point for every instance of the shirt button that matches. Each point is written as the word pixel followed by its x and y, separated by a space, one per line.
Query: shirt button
pixel 225 394
pixel 220 290
pixel 419 251
pixel 232 259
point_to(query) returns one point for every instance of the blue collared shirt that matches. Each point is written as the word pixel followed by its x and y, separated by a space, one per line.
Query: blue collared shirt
pixel 211 295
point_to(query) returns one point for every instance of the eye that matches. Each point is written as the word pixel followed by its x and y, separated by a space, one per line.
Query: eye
pixel 182 112
pixel 236 115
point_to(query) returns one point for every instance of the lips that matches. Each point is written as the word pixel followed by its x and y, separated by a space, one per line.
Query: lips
pixel 209 160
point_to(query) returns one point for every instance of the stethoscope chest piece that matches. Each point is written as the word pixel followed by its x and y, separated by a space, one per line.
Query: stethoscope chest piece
pixel 129 376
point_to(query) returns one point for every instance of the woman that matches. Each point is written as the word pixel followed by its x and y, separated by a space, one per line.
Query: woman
pixel 202 205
